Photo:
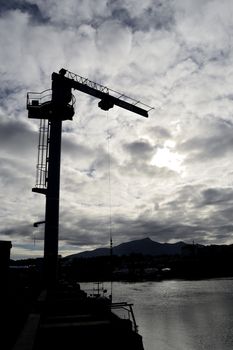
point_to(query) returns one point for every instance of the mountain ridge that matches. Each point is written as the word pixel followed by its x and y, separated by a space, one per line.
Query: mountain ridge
pixel 145 246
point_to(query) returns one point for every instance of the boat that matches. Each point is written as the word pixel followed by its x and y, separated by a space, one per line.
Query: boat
pixel 67 318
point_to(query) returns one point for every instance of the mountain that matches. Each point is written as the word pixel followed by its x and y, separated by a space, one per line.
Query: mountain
pixel 142 246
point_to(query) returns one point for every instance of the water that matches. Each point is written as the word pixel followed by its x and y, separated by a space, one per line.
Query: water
pixel 181 315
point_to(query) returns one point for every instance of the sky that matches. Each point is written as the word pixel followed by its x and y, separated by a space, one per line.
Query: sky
pixel 168 177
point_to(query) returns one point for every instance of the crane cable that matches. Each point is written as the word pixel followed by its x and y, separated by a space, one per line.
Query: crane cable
pixel 109 202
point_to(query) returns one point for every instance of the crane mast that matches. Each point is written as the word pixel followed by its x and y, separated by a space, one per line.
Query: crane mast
pixel 52 107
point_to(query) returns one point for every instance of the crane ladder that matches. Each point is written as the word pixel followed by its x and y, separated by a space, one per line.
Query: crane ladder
pixel 43 156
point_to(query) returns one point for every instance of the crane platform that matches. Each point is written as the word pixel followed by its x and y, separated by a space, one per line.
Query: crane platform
pixel 40 105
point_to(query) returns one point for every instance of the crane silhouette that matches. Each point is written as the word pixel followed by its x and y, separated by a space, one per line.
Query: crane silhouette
pixel 53 107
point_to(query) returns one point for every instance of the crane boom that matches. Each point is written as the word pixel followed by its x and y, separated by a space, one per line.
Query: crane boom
pixel 107 100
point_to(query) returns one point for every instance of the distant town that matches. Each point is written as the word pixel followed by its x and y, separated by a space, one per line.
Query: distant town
pixel 139 260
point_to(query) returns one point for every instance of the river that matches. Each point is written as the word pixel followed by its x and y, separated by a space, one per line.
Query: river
pixel 180 315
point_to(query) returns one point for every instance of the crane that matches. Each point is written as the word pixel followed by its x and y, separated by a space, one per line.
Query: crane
pixel 52 107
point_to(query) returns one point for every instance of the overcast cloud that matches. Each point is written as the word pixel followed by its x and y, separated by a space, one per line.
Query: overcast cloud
pixel 171 175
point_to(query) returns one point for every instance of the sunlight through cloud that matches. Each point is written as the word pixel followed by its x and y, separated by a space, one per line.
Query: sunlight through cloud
pixel 168 158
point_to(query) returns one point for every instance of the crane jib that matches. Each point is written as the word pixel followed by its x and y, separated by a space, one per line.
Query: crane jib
pixel 107 100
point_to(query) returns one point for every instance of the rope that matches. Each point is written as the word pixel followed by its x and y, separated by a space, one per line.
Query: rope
pixel 110 201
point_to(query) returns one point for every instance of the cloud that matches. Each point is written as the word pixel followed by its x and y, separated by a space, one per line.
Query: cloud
pixel 217 196
pixel 212 142
pixel 114 44
pixel 158 133
pixel 23 6
pixel 195 23
pixel 144 16
pixel 173 55
pixel 138 149
pixel 71 12
pixel 16 136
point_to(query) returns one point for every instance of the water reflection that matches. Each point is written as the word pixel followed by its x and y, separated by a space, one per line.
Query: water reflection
pixel 182 315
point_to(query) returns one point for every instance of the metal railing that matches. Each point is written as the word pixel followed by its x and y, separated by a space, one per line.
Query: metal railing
pixel 36 99
pixel 128 308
